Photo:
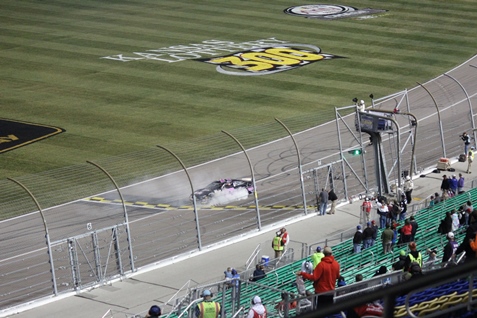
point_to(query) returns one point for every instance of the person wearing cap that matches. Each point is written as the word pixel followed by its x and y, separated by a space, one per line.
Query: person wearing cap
pixel 154 312
pixel 317 256
pixel 408 187
pixel 414 256
pixel 449 248
pixel 358 239
pixel 400 262
pixel 258 273
pixel 207 308
pixel 366 208
pixel 466 139
pixel 277 244
pixel 470 159
pixel 257 310
pixel 324 276
pixel 368 236
pixel 453 184
pixel 285 237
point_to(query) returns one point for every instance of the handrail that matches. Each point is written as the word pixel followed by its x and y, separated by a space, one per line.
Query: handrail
pixel 254 254
pixel 238 311
pixel 195 301
pixel 175 294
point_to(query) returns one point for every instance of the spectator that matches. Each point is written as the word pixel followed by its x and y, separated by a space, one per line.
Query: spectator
pixel 432 257
pixel 382 270
pixel 403 206
pixel 368 236
pixel 460 184
pixel 375 232
pixel 432 202
pixel 359 277
pixel 317 256
pixel 406 232
pixel 323 201
pixel 438 198
pixel 341 282
pixel 453 184
pixel 280 307
pixel 235 278
pixel 285 237
pixel 415 270
pixel 207 308
pixel 366 208
pixel 395 234
pixel 455 220
pixel 445 187
pixel 258 273
pixel 469 236
pixel 399 265
pixel 466 139
pixel 446 224
pixel 386 238
pixel 333 198
pixel 228 276
pixel 408 187
pixel 415 227
pixel 154 312
pixel 414 256
pixel 450 248
pixel 257 310
pixel 277 244
pixel 382 212
pixel 470 159
pixel 357 240
pixel 324 276
pixel 468 208
pixel 394 211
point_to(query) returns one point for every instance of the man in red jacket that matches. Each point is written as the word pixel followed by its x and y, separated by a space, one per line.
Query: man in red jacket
pixel 324 276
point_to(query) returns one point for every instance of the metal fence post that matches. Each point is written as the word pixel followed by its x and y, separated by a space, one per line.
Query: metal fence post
pixel 47 234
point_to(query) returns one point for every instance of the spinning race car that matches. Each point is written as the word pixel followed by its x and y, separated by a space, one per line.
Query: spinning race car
pixel 224 190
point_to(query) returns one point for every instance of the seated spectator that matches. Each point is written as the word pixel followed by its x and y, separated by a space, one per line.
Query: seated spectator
pixel 154 312
pixel 374 309
pixel 228 276
pixel 437 198
pixel 258 273
pixel 382 270
pixel 280 307
pixel 359 277
pixel 399 265
pixel 341 282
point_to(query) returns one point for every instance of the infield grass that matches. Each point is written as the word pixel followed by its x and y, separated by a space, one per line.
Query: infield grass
pixel 52 71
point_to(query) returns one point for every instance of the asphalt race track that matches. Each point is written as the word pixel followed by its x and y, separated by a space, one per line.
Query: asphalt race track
pixel 160 209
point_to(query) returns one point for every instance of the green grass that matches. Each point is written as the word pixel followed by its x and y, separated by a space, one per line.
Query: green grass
pixel 51 71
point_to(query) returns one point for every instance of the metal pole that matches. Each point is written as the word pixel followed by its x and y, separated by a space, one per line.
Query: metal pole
pixel 196 214
pixel 299 164
pixel 259 223
pixel 345 190
pixel 47 234
pixel 126 219
pixel 439 117
pixel 470 104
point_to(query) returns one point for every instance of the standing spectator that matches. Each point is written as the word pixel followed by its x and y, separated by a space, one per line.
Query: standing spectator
pixel 323 201
pixel 455 220
pixel 395 235
pixel 446 224
pixel 437 199
pixel 317 256
pixel 403 206
pixel 432 257
pixel 453 184
pixel 445 187
pixel 228 276
pixel 375 232
pixel 285 237
pixel 358 240
pixel 394 211
pixel 406 232
pixel 460 184
pixel 415 227
pixel 207 308
pixel 408 187
pixel 257 310
pixel 387 238
pixel 368 236
pixel 154 312
pixel 449 248
pixel 258 273
pixel 468 208
pixel 470 159
pixel 366 208
pixel 324 276
pixel 277 244
pixel 466 139
pixel 470 255
pixel 333 198
pixel 432 202
pixel 382 212
pixel 400 262
pixel 414 256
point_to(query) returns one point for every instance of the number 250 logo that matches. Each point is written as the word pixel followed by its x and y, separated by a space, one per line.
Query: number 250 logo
pixel 268 60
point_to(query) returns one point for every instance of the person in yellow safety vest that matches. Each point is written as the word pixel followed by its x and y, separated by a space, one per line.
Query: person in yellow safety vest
pixel 470 159
pixel 316 257
pixel 277 244
pixel 207 308
pixel 413 257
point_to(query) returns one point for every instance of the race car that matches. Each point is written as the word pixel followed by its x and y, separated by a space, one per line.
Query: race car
pixel 225 189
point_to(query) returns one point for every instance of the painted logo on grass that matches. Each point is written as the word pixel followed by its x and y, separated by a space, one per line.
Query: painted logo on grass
pixel 17 134
pixel 268 60
pixel 329 11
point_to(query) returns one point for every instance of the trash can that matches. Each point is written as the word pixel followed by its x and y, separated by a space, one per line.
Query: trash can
pixel 265 260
